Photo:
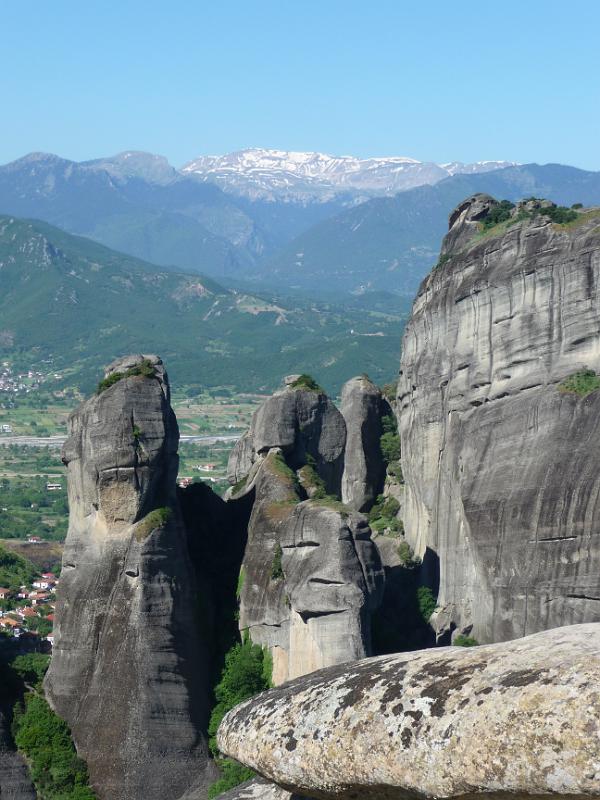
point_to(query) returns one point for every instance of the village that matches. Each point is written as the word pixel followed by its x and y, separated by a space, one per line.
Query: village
pixel 22 383
pixel 27 613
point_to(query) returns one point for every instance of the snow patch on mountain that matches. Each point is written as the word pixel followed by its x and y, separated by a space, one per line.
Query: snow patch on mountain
pixel 288 175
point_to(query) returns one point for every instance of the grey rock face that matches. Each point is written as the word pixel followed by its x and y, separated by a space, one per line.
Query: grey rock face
pixel 311 575
pixel 364 470
pixel 15 783
pixel 502 721
pixel 302 423
pixel 129 673
pixel 256 789
pixel 502 474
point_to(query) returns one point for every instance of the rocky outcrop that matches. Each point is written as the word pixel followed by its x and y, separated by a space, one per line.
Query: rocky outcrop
pixel 363 406
pixel 304 424
pixel 499 457
pixel 502 721
pixel 15 783
pixel 311 576
pixel 129 672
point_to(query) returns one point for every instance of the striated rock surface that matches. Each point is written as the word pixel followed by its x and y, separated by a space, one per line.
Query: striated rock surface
pixel 129 672
pixel 364 470
pixel 305 425
pixel 501 466
pixel 311 576
pixel 498 721
pixel 15 783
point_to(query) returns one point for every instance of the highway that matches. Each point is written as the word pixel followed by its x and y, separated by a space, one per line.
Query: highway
pixel 58 441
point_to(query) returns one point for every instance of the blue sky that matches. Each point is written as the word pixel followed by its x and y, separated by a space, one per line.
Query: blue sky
pixel 434 80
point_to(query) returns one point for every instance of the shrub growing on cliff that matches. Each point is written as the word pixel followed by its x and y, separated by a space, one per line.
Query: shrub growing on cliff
pixel 560 215
pixel 390 440
pixel 145 368
pixel 247 672
pixel 464 641
pixel 307 382
pixel 497 214
pixel 582 383
pixel 56 770
pixel 31 667
pixel 426 601
pixel 276 568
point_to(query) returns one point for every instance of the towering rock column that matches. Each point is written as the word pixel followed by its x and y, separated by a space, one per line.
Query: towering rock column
pixel 499 440
pixel 364 470
pixel 129 672
pixel 311 576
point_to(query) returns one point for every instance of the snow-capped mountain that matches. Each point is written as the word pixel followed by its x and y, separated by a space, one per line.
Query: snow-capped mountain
pixel 286 175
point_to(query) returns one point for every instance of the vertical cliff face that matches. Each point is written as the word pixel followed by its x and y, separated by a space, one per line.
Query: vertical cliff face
pixel 129 672
pixel 363 406
pixel 311 576
pixel 500 458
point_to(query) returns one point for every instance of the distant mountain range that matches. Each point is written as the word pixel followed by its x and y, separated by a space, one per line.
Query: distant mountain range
pixel 391 243
pixel 271 218
pixel 285 175
pixel 69 305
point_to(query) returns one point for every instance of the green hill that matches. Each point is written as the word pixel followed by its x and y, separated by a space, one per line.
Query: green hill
pixel 72 305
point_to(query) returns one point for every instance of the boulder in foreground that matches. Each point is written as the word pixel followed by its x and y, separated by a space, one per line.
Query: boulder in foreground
pixel 519 718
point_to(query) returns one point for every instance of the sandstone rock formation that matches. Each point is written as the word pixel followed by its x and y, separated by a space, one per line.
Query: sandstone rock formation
pixel 501 468
pixel 364 470
pixel 311 576
pixel 502 721
pixel 15 783
pixel 129 672
pixel 305 425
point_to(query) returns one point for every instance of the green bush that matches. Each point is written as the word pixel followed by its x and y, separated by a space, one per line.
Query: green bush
pixel 426 602
pixel 145 368
pixel 247 672
pixel 233 774
pixel 307 382
pixel 559 214
pixel 31 667
pixel 582 383
pixel 390 439
pixel 464 641
pixel 56 770
pixel 276 568
pixel 497 214
pixel 383 515
pixel 407 556
pixel 15 570
pixel 390 447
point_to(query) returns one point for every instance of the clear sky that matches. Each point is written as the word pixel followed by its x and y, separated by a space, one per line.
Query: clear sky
pixel 435 80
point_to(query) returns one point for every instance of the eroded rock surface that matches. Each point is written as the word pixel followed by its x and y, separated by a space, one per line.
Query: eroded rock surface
pixel 364 470
pixel 129 672
pixel 311 576
pixel 501 466
pixel 519 719
pixel 305 425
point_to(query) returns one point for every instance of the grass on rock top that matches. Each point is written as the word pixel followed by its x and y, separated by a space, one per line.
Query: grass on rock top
pixel 145 369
